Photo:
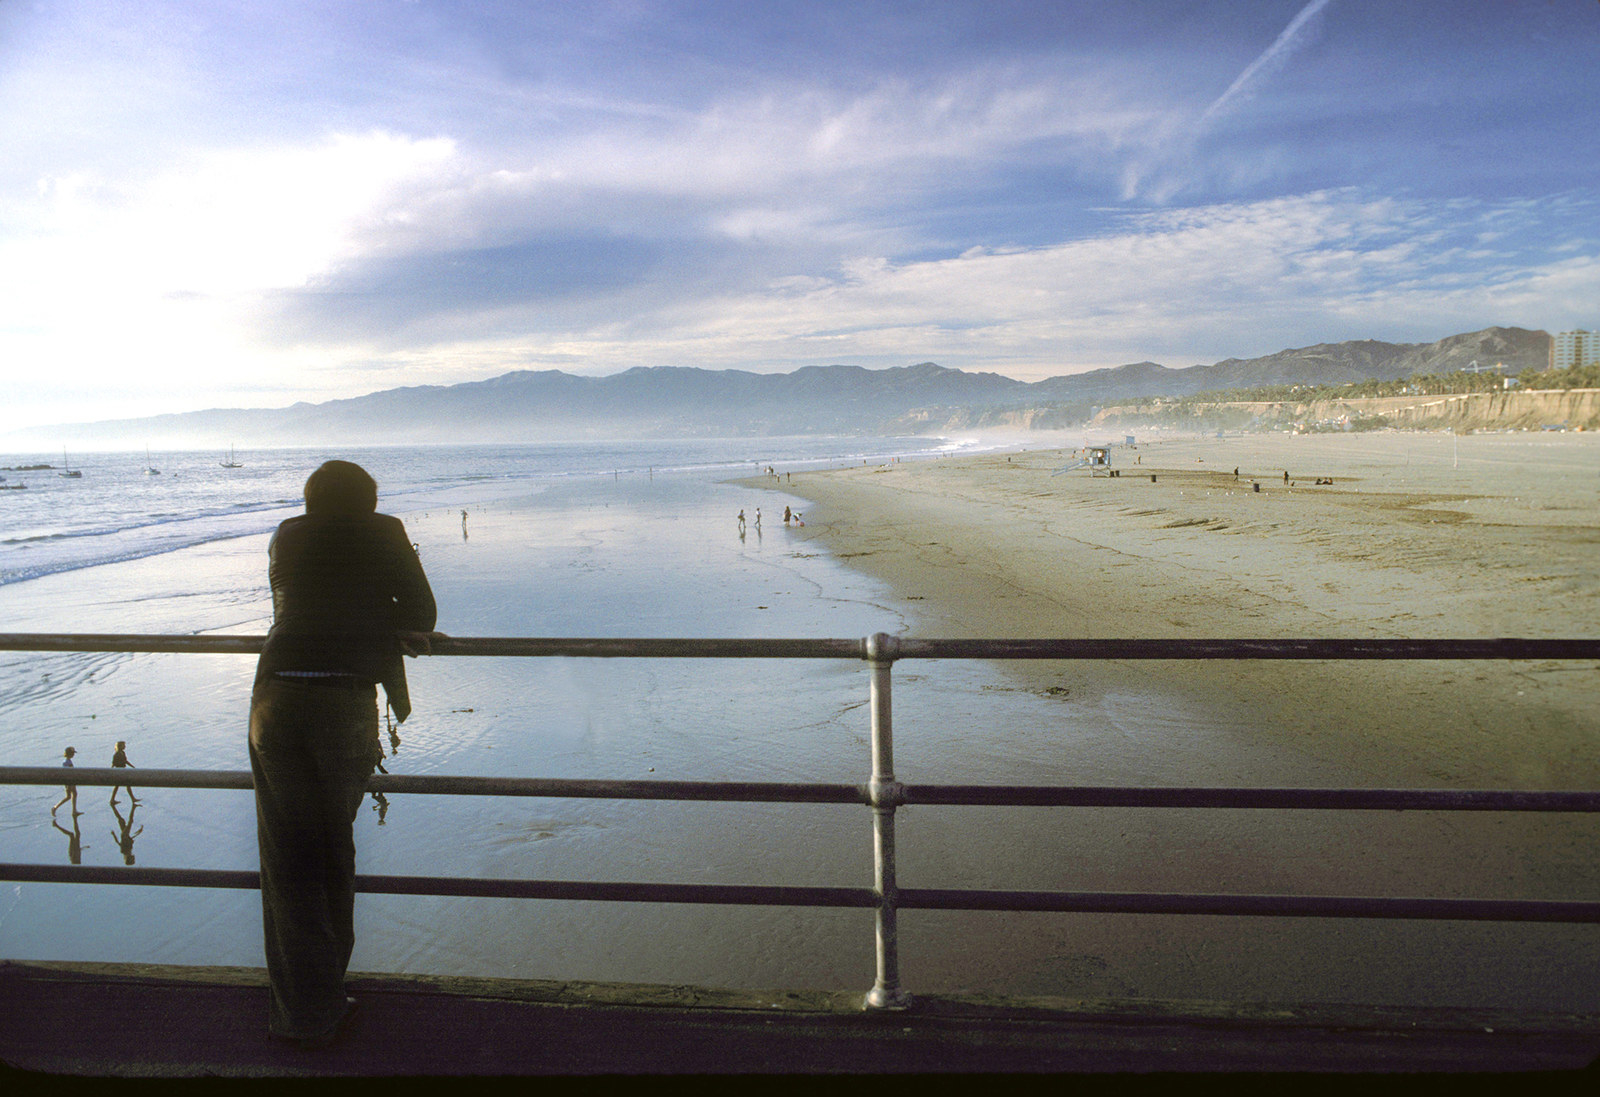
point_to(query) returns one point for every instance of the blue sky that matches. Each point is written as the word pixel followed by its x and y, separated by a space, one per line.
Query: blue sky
pixel 245 204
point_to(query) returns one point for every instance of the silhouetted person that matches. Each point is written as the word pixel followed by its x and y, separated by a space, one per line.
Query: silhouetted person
pixel 119 760
pixel 72 790
pixel 125 840
pixel 349 597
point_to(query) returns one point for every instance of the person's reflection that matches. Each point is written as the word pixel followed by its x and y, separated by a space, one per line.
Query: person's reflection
pixel 75 846
pixel 125 842
pixel 380 802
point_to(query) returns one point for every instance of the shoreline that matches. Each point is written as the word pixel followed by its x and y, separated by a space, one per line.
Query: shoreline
pixel 1417 536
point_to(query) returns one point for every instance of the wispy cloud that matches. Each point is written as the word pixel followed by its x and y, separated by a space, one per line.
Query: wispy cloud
pixel 1274 57
pixel 1167 167
pixel 1178 286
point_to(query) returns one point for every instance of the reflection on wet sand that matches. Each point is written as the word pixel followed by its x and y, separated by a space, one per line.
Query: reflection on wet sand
pixel 75 846
pixel 125 839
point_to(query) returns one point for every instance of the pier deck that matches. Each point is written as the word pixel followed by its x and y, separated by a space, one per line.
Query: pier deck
pixel 159 1021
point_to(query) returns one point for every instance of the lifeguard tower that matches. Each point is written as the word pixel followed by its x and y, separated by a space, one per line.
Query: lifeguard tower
pixel 1096 459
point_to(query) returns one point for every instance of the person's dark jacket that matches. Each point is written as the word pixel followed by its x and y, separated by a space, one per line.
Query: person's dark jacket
pixel 343 587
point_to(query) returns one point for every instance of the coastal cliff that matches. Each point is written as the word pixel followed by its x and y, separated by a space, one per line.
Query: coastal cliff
pixel 1572 409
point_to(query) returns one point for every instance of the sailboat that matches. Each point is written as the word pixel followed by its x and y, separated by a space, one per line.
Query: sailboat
pixel 230 463
pixel 149 469
pixel 66 468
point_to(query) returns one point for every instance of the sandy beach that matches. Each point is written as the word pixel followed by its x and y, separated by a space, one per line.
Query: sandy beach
pixel 1417 535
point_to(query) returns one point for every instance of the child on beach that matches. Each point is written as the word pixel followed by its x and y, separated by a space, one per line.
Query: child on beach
pixel 72 790
pixel 119 760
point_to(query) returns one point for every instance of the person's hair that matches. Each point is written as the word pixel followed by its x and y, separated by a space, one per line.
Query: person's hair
pixel 341 487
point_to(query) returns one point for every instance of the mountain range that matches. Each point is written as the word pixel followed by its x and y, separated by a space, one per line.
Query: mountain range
pixel 663 401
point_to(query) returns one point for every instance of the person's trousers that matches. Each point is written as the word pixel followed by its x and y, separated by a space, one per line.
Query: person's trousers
pixel 312 748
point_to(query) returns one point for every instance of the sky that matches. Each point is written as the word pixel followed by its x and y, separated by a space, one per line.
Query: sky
pixel 244 203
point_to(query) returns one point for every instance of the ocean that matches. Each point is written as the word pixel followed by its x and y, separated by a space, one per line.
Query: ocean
pixel 585 539
pixel 641 539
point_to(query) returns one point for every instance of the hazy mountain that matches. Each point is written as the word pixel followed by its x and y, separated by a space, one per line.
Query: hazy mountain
pixel 667 401
pixel 1323 364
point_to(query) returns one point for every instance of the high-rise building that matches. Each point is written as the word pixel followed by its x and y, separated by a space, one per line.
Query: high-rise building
pixel 1575 348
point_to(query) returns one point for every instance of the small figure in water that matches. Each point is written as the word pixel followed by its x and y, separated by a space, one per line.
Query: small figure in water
pixel 758 519
pixel 119 760
pixel 72 790
pixel 787 516
pixel 463 525
pixel 741 521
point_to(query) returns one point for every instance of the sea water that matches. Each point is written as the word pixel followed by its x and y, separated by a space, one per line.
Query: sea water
pixel 589 539
pixel 641 539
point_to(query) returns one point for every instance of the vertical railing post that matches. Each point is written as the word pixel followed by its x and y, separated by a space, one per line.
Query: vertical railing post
pixel 887 795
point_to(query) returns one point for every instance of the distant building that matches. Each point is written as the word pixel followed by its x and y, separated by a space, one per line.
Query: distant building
pixel 1575 348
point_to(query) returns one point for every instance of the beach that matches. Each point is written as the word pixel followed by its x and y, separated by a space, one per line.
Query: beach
pixel 968 545
pixel 1416 535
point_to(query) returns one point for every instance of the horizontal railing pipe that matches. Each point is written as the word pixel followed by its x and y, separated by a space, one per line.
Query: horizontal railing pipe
pixel 775 792
pixel 1275 906
pixel 1332 649
pixel 518 646
pixel 904 648
pixel 1070 902
pixel 138 777
pixel 1333 799
pixel 593 890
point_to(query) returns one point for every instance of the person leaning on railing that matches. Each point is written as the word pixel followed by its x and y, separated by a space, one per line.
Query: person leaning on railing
pixel 349 597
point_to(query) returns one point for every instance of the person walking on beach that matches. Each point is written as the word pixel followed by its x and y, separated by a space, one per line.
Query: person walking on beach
pixel 72 790
pixel 119 760
pixel 349 597
pixel 741 521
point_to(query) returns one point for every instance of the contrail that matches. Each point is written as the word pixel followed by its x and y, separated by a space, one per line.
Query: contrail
pixel 1278 51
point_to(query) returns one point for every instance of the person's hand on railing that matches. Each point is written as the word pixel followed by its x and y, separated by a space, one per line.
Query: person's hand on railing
pixel 419 643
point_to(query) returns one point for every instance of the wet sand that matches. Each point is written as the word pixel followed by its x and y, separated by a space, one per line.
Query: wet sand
pixel 1418 535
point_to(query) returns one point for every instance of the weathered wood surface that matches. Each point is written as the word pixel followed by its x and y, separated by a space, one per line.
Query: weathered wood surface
pixel 144 1021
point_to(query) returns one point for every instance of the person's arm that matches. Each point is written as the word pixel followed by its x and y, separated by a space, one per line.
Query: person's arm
pixel 415 608
pixel 419 643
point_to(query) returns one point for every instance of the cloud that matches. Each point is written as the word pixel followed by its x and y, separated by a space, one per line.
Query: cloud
pixel 1168 167
pixel 1178 286
pixel 1276 55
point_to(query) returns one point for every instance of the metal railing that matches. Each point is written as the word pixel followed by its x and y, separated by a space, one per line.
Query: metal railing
pixel 882 792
